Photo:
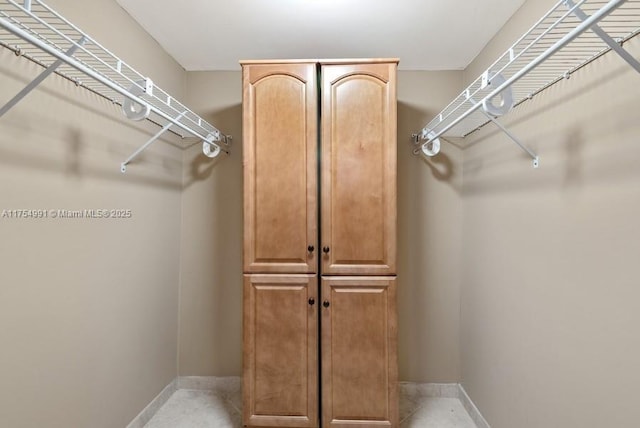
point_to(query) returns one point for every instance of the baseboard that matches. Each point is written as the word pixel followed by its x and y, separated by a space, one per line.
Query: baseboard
pixel 222 385
pixel 228 385
pixel 471 408
pixel 432 390
pixel 225 386
pixel 444 390
pixel 152 408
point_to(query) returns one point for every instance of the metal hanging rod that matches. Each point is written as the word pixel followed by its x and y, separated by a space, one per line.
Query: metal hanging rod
pixel 569 36
pixel 62 48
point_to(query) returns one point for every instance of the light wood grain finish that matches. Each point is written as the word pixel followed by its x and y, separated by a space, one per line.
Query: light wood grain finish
pixel 359 357
pixel 359 169
pixel 358 173
pixel 280 157
pixel 280 355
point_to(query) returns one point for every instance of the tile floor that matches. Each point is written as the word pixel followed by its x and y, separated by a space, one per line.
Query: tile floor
pixel 201 408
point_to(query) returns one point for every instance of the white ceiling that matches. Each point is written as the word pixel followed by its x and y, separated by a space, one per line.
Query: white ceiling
pixel 424 34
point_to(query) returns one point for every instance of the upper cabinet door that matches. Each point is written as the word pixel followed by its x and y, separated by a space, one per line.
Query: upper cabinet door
pixel 280 117
pixel 359 169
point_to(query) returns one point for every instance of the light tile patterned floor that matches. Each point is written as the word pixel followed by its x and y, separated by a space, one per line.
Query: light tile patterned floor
pixel 438 413
pixel 206 409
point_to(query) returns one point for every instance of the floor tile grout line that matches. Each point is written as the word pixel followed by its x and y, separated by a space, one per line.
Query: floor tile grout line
pixel 413 412
pixel 232 405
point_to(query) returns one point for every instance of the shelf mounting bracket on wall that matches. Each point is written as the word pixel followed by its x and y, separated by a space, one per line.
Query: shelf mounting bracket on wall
pixel 430 146
pixel 123 165
pixel 47 35
pixel 209 146
pixel 494 120
pixel 535 157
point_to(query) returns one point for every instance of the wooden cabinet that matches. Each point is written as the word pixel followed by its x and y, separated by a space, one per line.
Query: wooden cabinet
pixel 319 132
pixel 280 116
pixel 280 354
pixel 359 342
pixel 359 169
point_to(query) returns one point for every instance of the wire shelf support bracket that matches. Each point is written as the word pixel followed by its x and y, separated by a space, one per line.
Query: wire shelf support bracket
pixel 617 48
pixel 35 82
pixel 46 33
pixel 572 34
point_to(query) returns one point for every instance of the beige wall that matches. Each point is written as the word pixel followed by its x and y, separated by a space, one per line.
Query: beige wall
pixel 518 282
pixel 430 218
pixel 429 236
pixel 550 257
pixel 88 308
pixel 211 234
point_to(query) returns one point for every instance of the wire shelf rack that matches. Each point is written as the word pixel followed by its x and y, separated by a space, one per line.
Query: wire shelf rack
pixel 572 34
pixel 35 31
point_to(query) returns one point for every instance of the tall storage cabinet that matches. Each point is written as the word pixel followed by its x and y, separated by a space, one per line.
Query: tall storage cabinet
pixel 319 317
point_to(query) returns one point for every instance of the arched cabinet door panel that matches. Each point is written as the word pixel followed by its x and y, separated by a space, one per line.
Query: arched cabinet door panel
pixel 280 116
pixel 358 169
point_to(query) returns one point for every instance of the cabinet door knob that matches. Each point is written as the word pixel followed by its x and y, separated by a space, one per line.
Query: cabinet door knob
pixel 325 304
pixel 310 248
pixel 325 250
pixel 312 301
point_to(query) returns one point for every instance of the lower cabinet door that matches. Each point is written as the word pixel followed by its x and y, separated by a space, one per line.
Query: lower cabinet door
pixel 280 355
pixel 359 352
